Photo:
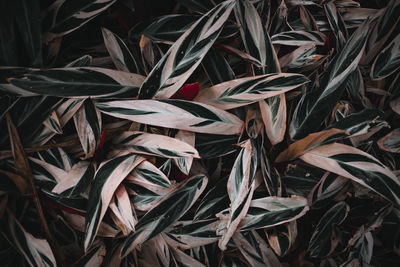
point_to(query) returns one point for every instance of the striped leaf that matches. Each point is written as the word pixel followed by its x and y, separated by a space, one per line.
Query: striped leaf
pixel 11 182
pixel 217 67
pixel 307 19
pixel 37 252
pixel 255 250
pixel 154 145
pixel 178 114
pixel 172 71
pixel 270 175
pixel 185 163
pixel 107 179
pixel 156 252
pixel 121 210
pixel 254 124
pixel 299 38
pixel 273 112
pixel 329 188
pixel 240 187
pixel 119 52
pixel 386 23
pixel 212 146
pixel 53 123
pixel 185 260
pixel 244 91
pixel 168 210
pixel 273 211
pixel 325 237
pixel 165 29
pixel 282 238
pixel 387 61
pixel 88 125
pixel 314 107
pixel 80 82
pixel 190 234
pixel 391 141
pixel 148 185
pixel 67 17
pixel 358 166
pixel 82 61
pixel 303 57
pixel 337 24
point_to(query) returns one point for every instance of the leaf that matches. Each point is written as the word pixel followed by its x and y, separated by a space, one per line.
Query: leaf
pixel 325 239
pixel 273 112
pixel 244 91
pixel 11 182
pixel 337 24
pixel 273 211
pixel 387 61
pixel 37 252
pixel 185 163
pixel 391 141
pixel 67 17
pixel 198 6
pixel 190 234
pixel 107 179
pixel 303 57
pixel 169 210
pixel 120 207
pixel 172 71
pixel 154 145
pixel 240 187
pixel 88 125
pixel 212 145
pixel 314 107
pixel 94 257
pixel 185 260
pixel 156 252
pixel 216 67
pixel 358 166
pixel 178 114
pixel 80 82
pixel 299 38
pixel 53 123
pixel 119 52
pixel 312 141
pixel 270 175
pixel 282 237
pixel 255 249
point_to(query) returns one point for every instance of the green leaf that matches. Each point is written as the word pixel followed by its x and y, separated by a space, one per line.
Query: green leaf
pixel 67 16
pixel 391 141
pixel 80 82
pixel 245 91
pixel 176 66
pixel 119 52
pixel 337 24
pixel 169 210
pixel 387 61
pixel 121 210
pixel 358 166
pixel 314 107
pixel 216 67
pixel 94 256
pixel 282 238
pixel 107 178
pixel 325 237
pixel 178 114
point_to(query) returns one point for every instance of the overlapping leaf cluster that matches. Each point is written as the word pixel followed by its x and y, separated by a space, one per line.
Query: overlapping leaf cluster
pixel 227 133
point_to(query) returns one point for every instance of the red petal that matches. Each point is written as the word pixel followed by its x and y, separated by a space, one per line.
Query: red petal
pixel 187 92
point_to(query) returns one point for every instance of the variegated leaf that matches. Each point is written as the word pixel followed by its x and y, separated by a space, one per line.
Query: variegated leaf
pixel 303 57
pixel 314 107
pixel 80 82
pixel 217 67
pixel 185 163
pixel 358 166
pixel 88 125
pixel 11 182
pixel 148 185
pixel 94 257
pixel 325 237
pixel 175 67
pixel 119 52
pixel 107 179
pixel 337 24
pixel 308 19
pixel 178 114
pixel 244 91
pixel 273 112
pixel 154 145
pixel 156 252
pixel 273 211
pixel 77 222
pixel 53 123
pixel 254 124
pixel 67 17
pixel 168 210
pixel 255 250
pixel 282 238
pixel 270 175
pixel 387 61
pixel 185 260
pixel 82 61
pixel 391 141
pixel 37 252
pixel 190 234
pixel 121 209
pixel 299 38
pixel 241 187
